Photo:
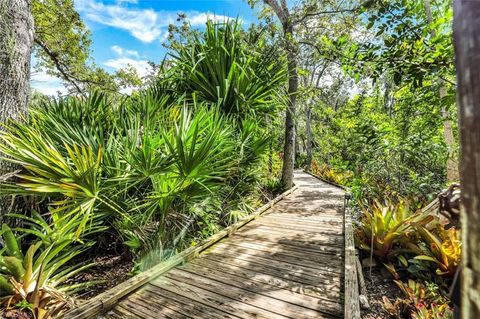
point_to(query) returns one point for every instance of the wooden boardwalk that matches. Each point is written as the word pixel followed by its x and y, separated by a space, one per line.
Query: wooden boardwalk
pixel 288 263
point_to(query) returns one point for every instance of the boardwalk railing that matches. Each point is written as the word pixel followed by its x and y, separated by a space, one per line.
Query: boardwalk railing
pixel 352 294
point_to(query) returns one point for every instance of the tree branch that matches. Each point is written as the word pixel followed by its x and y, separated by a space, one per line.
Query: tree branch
pixel 314 14
pixel 374 61
pixel 70 78
pixel 279 11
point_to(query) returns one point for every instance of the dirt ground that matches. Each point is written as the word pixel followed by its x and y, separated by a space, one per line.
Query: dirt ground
pixel 378 286
pixel 110 269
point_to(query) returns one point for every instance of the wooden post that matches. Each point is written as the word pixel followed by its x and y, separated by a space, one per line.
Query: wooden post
pixel 351 298
pixel 466 29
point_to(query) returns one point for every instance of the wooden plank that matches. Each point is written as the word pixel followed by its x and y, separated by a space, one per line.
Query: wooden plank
pixel 315 190
pixel 321 204
pixel 319 232
pixel 183 303
pixel 310 238
pixel 277 280
pixel 319 220
pixel 312 256
pixel 310 222
pixel 115 314
pixel 188 308
pixel 107 299
pixel 138 312
pixel 329 265
pixel 298 245
pixel 297 231
pixel 145 308
pixel 330 282
pixel 253 298
pixel 352 299
pixel 310 214
pixel 126 313
pixel 316 198
pixel 280 269
pixel 314 215
pixel 295 300
pixel 321 228
pixel 327 181
pixel 211 298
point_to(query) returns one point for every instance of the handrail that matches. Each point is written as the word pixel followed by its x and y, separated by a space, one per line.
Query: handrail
pixel 352 293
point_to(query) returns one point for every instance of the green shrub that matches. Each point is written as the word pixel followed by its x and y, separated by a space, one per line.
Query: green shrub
pixel 37 279
pixel 383 229
pixel 219 66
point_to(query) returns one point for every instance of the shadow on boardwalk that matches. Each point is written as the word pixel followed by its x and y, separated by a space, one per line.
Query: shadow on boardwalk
pixel 288 263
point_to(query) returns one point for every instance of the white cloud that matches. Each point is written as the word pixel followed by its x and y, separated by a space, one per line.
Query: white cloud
pixel 142 24
pixel 128 58
pixel 125 52
pixel 47 84
pixel 198 19
pixel 142 66
pixel 147 25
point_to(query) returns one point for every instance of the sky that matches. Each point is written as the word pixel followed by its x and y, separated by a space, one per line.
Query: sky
pixel 132 31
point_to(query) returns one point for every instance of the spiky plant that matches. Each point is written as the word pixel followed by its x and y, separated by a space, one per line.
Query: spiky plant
pixel 220 67
pixel 37 278
pixel 384 227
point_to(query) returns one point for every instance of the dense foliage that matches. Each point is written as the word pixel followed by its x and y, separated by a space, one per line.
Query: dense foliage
pixel 380 113
pixel 368 93
pixel 390 150
pixel 154 172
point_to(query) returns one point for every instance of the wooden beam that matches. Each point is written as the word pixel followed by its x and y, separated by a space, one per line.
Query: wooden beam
pixel 352 297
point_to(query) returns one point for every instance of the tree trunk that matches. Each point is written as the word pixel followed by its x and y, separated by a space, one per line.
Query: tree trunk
pixel 309 146
pixel 283 14
pixel 467 58
pixel 452 162
pixel 289 146
pixel 298 146
pixel 16 39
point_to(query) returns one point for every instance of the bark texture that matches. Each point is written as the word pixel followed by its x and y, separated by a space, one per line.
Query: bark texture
pixel 281 10
pixel 289 147
pixel 308 129
pixel 467 58
pixel 16 39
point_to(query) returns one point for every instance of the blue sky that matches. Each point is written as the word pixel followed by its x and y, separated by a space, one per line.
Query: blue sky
pixel 132 31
